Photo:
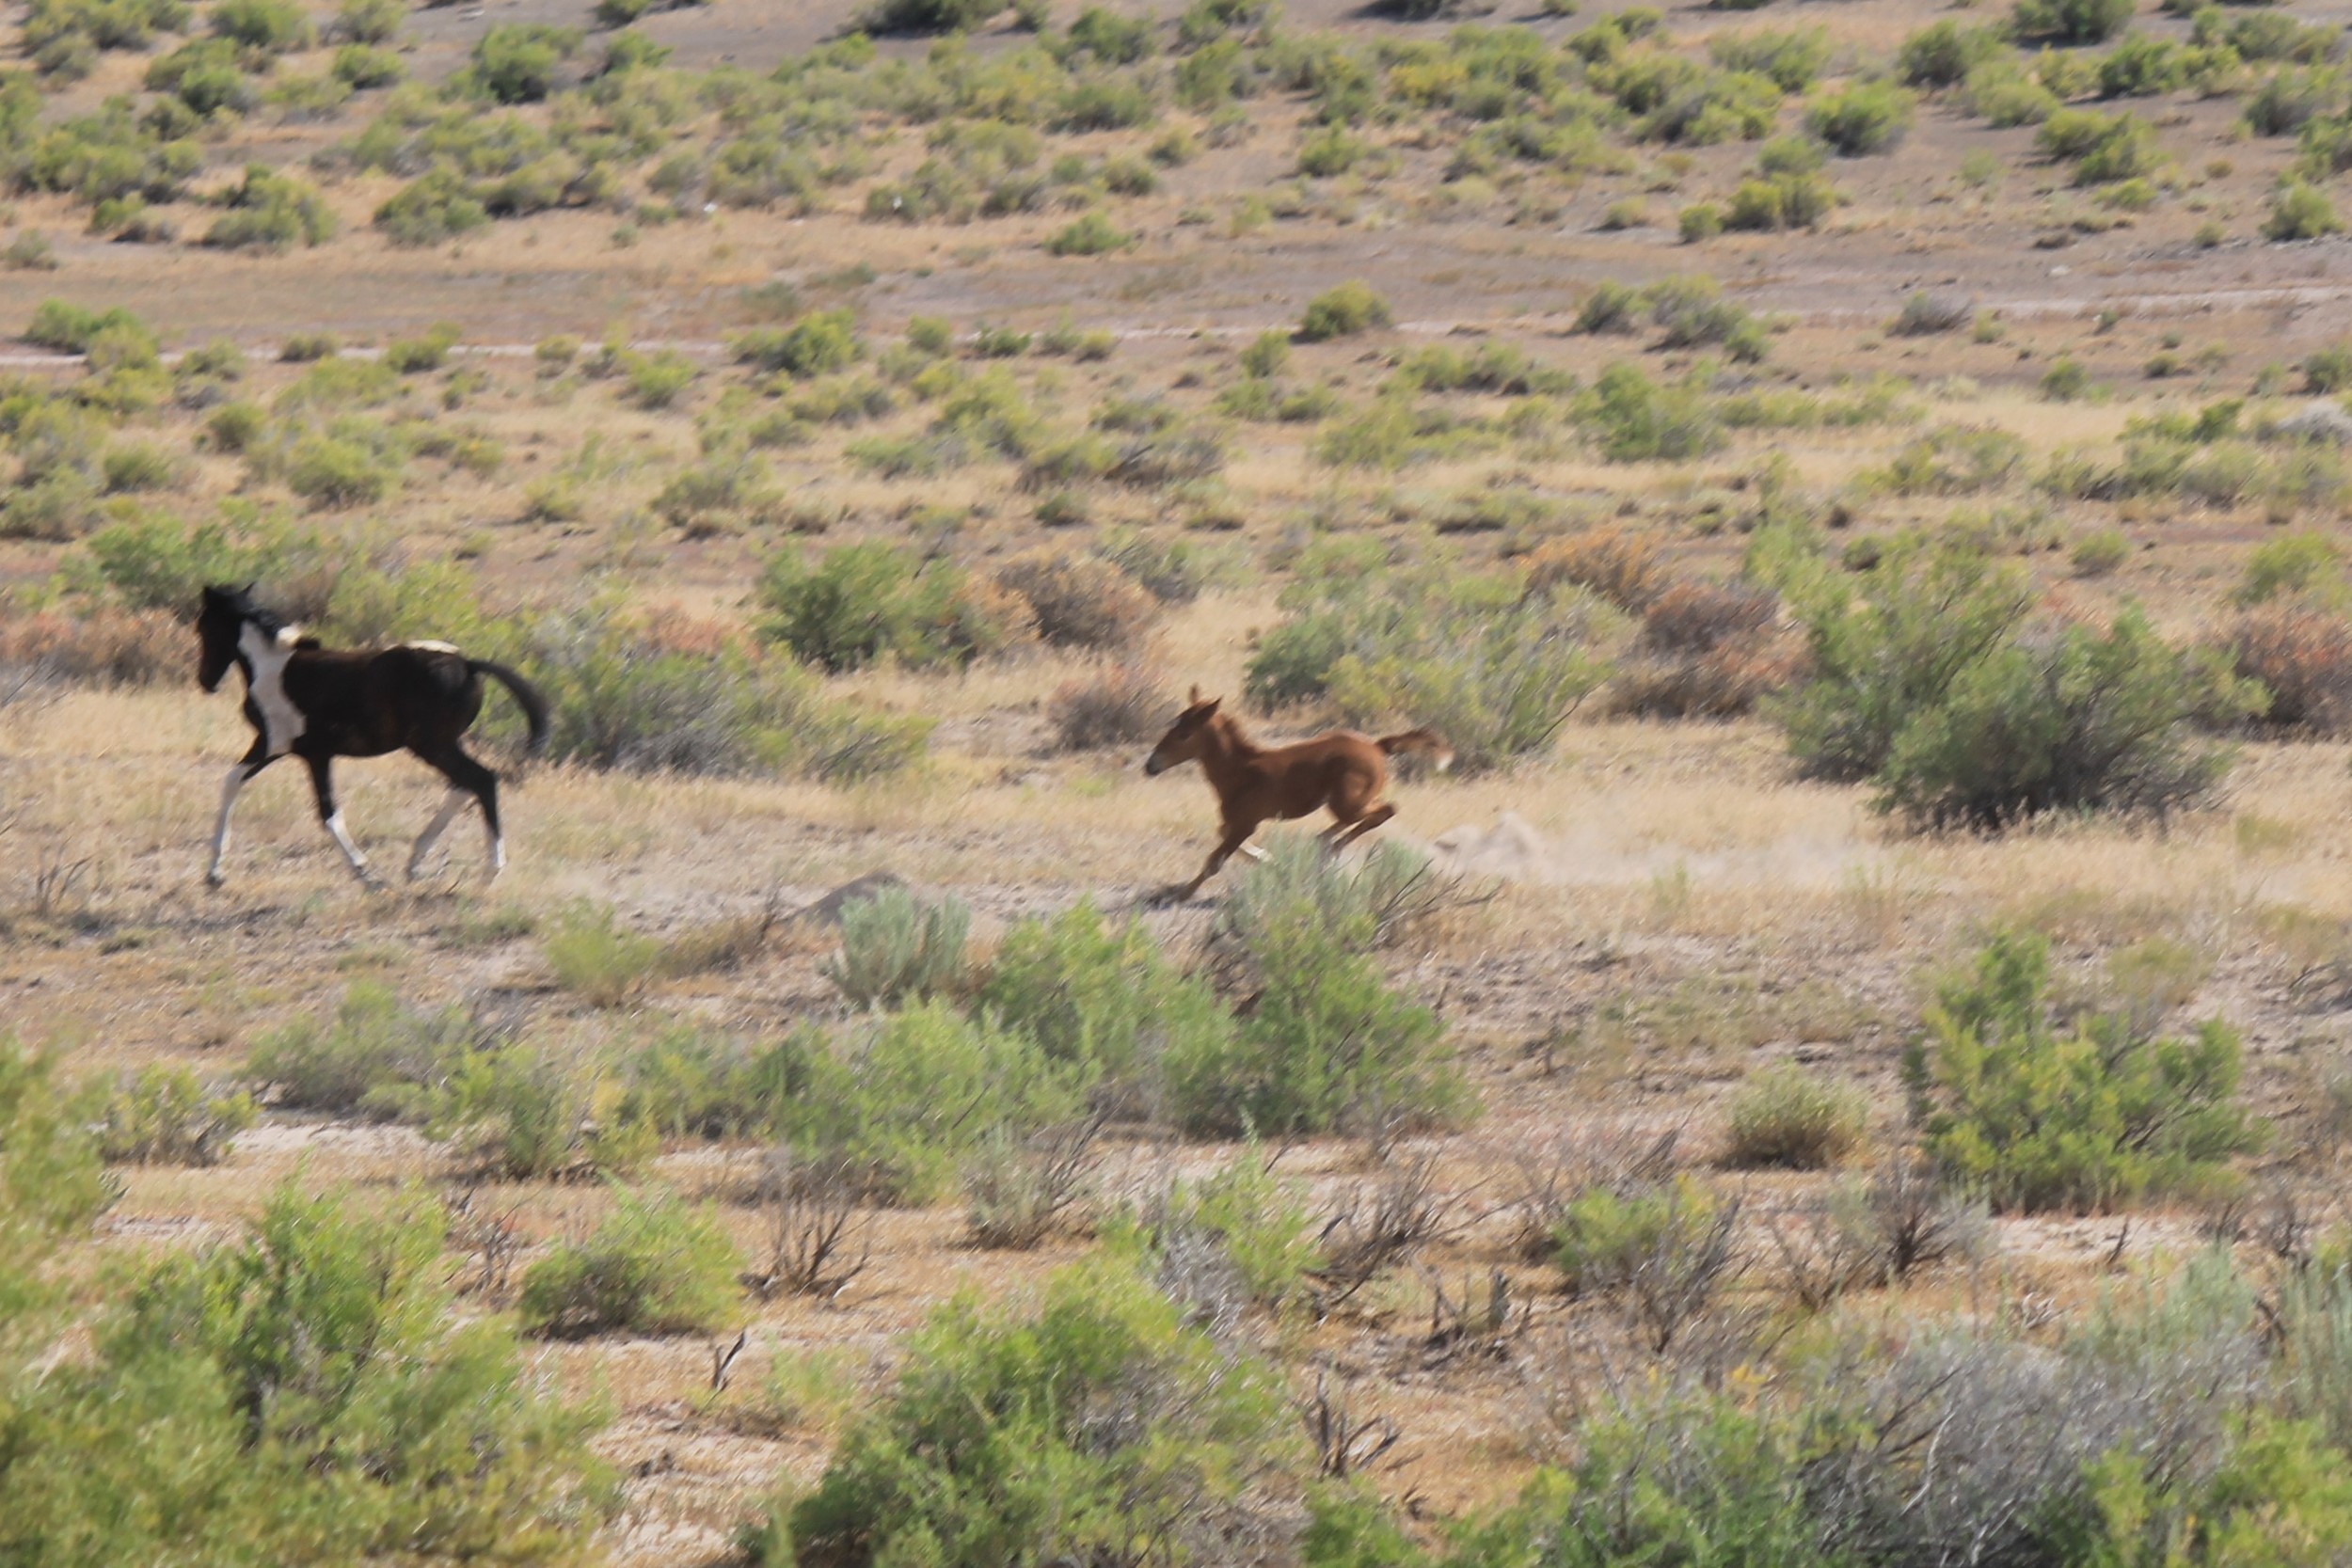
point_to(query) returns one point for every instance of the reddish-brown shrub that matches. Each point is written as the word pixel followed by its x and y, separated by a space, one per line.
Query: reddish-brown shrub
pixel 1616 563
pixel 1081 601
pixel 1694 615
pixel 1121 704
pixel 2303 658
pixel 1722 682
pixel 105 647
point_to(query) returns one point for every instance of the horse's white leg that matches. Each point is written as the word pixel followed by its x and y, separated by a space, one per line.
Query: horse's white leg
pixel 452 803
pixel 498 850
pixel 238 772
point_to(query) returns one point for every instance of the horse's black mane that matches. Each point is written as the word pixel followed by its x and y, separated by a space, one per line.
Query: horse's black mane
pixel 241 603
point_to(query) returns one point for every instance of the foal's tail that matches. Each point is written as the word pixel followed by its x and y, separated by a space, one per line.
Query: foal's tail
pixel 527 695
pixel 1428 742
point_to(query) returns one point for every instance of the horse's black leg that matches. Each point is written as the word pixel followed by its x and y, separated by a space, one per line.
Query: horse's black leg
pixel 256 758
pixel 331 815
pixel 465 773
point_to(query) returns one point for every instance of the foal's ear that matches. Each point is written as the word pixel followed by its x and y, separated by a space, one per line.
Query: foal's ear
pixel 1195 699
pixel 1208 706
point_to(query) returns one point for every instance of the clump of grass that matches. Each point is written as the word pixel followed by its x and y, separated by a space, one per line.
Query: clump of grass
pixel 1343 311
pixel 593 957
pixel 1786 1116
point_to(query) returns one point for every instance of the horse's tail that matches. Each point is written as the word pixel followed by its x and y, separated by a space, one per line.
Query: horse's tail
pixel 526 695
pixel 1425 741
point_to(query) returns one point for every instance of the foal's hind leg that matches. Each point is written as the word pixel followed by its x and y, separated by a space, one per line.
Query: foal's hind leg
pixel 467 775
pixel 331 815
pixel 453 800
pixel 1344 833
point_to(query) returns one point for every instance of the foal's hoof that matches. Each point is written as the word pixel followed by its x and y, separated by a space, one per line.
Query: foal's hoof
pixel 213 879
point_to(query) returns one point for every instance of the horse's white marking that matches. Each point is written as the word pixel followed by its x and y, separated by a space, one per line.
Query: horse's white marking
pixel 1253 851
pixel 432 645
pixel 342 842
pixel 451 804
pixel 220 828
pixel 265 681
pixel 498 856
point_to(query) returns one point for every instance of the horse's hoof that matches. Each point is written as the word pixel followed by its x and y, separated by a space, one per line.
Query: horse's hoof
pixel 214 879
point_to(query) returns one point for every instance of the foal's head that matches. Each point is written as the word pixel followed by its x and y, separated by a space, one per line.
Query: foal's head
pixel 219 623
pixel 1187 738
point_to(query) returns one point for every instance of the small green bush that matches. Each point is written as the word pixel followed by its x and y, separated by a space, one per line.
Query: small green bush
pixel 899 1102
pixel 437 206
pixel 2300 212
pixel 70 330
pixel 1942 54
pixel 1103 996
pixel 2070 21
pixel 818 344
pixel 515 63
pixel 1091 234
pixel 895 947
pixel 525 1112
pixel 263 26
pixel 653 1265
pixel 429 351
pixel 926 16
pixel 1865 118
pixel 271 212
pixel 2087 1118
pixel 2294 564
pixel 374 1060
pixel 1788 1117
pixel 1329 1045
pixel 166 1117
pixel 1116 1425
pixel 1635 419
pixel 1343 312
pixel 307 1392
pixel 594 959
pixel 865 602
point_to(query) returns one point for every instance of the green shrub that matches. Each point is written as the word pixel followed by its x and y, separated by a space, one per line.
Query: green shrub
pixel 865 602
pixel 2081 721
pixel 1329 1045
pixel 166 1117
pixel 369 21
pixel 307 1393
pixel 437 205
pixel 515 63
pixel 70 330
pixel 1867 116
pixel 1258 1224
pixel 687 1080
pixel 1702 221
pixel 1953 460
pixel 1114 1426
pixel 362 66
pixel 524 1113
pixel 1942 54
pixel 2297 564
pixel 1343 312
pixel 263 26
pixel 1607 1238
pixel 898 1101
pixel 337 474
pixel 1091 234
pixel 376 1059
pixel 1786 1116
pixel 895 947
pixel 1494 669
pixel 2300 212
pixel 818 344
pixel 1690 313
pixel 271 212
pixel 653 1265
pixel 138 465
pixel 429 351
pixel 926 16
pixel 1104 997
pixel 1636 420
pixel 2065 380
pixel 2070 21
pixel 659 380
pixel 622 697
pixel 594 959
pixel 2093 1116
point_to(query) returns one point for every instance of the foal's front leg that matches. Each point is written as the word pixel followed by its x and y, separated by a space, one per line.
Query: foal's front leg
pixel 1236 834
pixel 239 772
pixel 332 816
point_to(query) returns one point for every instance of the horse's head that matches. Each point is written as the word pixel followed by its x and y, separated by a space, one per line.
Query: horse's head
pixel 1185 737
pixel 219 622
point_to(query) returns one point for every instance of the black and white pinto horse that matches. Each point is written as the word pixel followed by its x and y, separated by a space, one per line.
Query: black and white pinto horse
pixel 318 704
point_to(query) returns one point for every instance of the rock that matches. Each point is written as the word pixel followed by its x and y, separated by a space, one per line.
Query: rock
pixel 2318 420
pixel 1512 848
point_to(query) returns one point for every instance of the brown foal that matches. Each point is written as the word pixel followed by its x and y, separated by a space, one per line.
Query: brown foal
pixel 1254 784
